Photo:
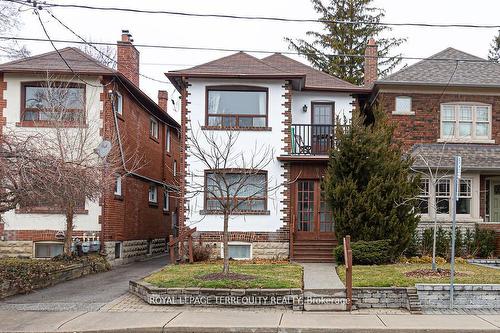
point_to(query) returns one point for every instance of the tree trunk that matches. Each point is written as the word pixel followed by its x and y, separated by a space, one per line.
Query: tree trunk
pixel 225 241
pixel 69 229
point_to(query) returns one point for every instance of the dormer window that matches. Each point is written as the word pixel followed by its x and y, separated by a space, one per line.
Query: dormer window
pixel 465 122
pixel 239 107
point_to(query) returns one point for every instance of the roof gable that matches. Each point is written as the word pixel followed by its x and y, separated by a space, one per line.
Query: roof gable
pixel 448 67
pixel 239 63
pixel 78 60
pixel 315 79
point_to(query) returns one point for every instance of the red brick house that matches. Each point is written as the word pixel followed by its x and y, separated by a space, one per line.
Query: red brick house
pixel 134 218
pixel 447 105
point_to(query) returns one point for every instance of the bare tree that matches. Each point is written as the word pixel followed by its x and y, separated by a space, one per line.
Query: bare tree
pixel 232 180
pixel 10 20
pixel 432 171
pixel 105 54
pixel 63 169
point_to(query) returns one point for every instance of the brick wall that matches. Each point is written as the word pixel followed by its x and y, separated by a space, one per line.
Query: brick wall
pixel 131 216
pixel 424 125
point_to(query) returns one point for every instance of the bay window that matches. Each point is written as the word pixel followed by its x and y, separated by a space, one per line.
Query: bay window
pixel 236 107
pixel 464 196
pixel 247 191
pixel 443 196
pixel 465 122
pixel 424 196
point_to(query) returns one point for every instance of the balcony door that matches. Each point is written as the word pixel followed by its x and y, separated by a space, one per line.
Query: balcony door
pixel 322 119
pixel 314 219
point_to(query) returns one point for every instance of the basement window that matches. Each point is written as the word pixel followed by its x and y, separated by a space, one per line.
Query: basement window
pixel 48 250
pixel 238 251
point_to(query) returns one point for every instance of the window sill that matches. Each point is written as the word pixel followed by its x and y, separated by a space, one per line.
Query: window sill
pixel 248 129
pixel 119 197
pixel 154 139
pixel 483 141
pixel 215 212
pixel 403 113
pixel 166 212
pixel 120 116
pixel 153 204
pixel 50 124
pixel 48 211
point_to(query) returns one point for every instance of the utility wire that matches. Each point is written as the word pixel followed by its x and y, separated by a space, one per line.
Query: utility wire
pixel 99 51
pixel 33 39
pixel 59 53
pixel 264 18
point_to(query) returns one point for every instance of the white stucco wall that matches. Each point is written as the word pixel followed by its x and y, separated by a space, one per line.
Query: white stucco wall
pixel 14 221
pixel 343 104
pixel 245 143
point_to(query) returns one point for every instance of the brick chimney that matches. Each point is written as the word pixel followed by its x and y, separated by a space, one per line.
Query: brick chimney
pixel 163 99
pixel 371 62
pixel 128 58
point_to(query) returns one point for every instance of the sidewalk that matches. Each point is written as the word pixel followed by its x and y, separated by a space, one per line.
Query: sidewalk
pixel 221 320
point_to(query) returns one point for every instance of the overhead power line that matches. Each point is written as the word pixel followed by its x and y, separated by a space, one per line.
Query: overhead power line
pixel 177 47
pixel 262 18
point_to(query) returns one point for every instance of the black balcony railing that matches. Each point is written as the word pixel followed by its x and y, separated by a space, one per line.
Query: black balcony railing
pixel 310 139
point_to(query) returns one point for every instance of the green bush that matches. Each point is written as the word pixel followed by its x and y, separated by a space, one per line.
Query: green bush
pixel 484 243
pixel 426 242
pixel 367 252
pixel 413 248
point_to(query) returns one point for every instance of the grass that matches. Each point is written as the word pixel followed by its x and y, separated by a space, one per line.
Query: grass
pixel 267 275
pixel 393 275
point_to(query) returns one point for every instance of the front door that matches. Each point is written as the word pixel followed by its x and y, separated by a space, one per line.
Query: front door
pixel 323 118
pixel 313 217
pixel 495 201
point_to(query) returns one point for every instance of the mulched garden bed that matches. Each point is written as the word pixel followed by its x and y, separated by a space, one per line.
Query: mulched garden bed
pixel 229 276
pixel 430 273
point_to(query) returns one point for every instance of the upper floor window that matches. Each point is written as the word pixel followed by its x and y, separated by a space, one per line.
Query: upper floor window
pixel 118 101
pixel 153 194
pixel 403 104
pixel 174 168
pixel 153 128
pixel 167 138
pixel 466 122
pixel 118 185
pixel 236 107
pixel 53 102
pixel 424 196
pixel 166 201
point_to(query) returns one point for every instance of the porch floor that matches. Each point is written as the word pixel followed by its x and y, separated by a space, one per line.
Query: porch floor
pixel 321 276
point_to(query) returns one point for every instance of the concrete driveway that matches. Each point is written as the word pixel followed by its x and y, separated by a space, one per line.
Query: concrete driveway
pixel 89 293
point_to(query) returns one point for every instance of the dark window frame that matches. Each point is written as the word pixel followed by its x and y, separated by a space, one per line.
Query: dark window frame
pixel 243 88
pixel 46 123
pixel 237 212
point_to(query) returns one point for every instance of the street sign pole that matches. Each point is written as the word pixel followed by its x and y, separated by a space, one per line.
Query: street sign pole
pixel 456 182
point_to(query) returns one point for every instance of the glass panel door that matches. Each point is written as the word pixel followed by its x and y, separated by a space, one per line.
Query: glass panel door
pixel 305 205
pixel 322 127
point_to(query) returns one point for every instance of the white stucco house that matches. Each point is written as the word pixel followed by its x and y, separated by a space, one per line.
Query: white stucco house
pixel 289 108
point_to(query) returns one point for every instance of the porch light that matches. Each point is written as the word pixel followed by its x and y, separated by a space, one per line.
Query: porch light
pixel 304 108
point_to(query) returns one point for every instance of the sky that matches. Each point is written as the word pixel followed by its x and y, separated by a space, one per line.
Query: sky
pixel 251 35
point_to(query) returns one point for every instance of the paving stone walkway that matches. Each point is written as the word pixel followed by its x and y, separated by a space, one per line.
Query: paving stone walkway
pixel 321 276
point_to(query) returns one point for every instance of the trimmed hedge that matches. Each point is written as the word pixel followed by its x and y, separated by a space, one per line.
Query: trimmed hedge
pixel 367 252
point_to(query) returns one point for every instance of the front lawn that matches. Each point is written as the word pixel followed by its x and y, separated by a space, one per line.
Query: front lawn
pixel 259 275
pixel 394 275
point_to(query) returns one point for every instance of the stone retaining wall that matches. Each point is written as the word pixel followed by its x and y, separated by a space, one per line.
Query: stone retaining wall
pixel 134 250
pixel 68 273
pixel 260 250
pixel 371 297
pixel 466 296
pixel 486 262
pixel 288 298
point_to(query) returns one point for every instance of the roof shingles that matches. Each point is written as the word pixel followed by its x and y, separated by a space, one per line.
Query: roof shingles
pixel 448 67
pixel 474 156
